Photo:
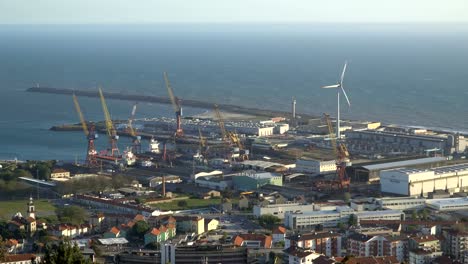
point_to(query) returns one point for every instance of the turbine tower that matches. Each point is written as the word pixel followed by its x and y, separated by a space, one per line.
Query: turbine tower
pixel 340 89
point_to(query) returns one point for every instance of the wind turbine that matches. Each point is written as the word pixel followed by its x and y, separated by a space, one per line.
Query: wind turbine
pixel 340 88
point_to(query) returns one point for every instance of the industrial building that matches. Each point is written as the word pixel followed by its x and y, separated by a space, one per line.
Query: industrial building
pixel 415 142
pixel 415 182
pixel 252 180
pixel 371 172
pixel 279 210
pixel 331 218
pixel 316 167
pixel 448 204
pixel 403 203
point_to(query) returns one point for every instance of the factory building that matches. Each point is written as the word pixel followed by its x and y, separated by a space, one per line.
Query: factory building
pixel 371 172
pixel 279 210
pixel 415 182
pixel 448 204
pixel 403 203
pixel 414 141
pixel 312 166
pixel 252 180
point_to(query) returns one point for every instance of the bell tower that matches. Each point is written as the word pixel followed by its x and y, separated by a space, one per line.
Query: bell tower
pixel 31 208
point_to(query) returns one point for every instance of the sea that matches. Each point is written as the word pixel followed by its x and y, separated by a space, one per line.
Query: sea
pixel 412 75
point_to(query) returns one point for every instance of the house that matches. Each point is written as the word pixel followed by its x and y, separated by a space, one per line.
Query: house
pixel 161 220
pixel 96 220
pixel 253 240
pixel 189 224
pixel 211 224
pixel 114 232
pixel 299 255
pixel 428 241
pixel 279 234
pixel 371 260
pixel 65 230
pixel 153 236
pixel 21 259
pixel 326 243
pixel 59 173
pixel 423 256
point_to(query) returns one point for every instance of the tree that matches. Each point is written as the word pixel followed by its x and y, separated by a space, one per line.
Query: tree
pixel 64 252
pixel 140 228
pixel 268 221
pixel 227 193
pixel 43 172
pixel 182 203
pixel 414 215
pixel 352 221
pixel 3 250
pixel 71 214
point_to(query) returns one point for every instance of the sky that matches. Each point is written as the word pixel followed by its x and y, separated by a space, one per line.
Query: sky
pixel 231 11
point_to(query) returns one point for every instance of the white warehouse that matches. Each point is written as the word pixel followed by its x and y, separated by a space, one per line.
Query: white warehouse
pixel 313 166
pixel 415 182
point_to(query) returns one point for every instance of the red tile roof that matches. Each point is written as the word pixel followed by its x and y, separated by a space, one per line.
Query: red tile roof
pixel 265 241
pixel 114 230
pixel 280 230
pixel 155 231
pixel 19 257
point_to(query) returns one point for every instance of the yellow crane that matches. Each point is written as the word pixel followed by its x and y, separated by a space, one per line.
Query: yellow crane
pixel 219 118
pixel 91 135
pixel 111 131
pixel 231 138
pixel 176 105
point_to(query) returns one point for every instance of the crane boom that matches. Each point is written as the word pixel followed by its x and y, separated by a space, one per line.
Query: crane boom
pixel 220 120
pixel 111 132
pixel 109 125
pixel 130 121
pixel 331 134
pixel 172 97
pixel 80 114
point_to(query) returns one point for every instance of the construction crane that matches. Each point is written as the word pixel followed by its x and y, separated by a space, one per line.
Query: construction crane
pixel 203 146
pixel 219 118
pixel 91 135
pixel 136 144
pixel 229 137
pixel 342 157
pixel 176 105
pixel 243 154
pixel 111 131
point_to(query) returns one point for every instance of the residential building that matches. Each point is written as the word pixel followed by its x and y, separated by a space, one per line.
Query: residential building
pixel 59 173
pixel 456 245
pixel 253 241
pixel 315 167
pixel 114 232
pixel 189 224
pixel 66 230
pixel 371 260
pixel 326 243
pixel 423 256
pixel 425 242
pixel 378 245
pixel 21 259
pixel 211 224
pixel 252 180
pixel 299 255
pixel 153 236
pixel 279 234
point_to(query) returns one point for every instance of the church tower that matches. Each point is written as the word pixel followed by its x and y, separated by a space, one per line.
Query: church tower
pixel 31 210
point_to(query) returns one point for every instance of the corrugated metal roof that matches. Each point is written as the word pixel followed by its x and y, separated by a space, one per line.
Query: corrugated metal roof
pixel 403 163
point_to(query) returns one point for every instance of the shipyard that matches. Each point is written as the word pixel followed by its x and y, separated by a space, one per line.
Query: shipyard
pixel 232 132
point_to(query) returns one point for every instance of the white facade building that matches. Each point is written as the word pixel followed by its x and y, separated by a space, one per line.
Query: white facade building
pixel 331 218
pixel 448 204
pixel 414 182
pixel 279 210
pixel 313 166
pixel 403 203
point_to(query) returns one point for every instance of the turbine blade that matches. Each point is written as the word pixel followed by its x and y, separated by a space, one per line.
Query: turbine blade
pixel 346 96
pixel 342 74
pixel 331 86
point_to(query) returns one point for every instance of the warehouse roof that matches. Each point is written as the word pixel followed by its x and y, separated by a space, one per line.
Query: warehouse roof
pixel 403 163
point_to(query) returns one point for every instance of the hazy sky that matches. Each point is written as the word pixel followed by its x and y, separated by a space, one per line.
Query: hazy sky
pixel 155 11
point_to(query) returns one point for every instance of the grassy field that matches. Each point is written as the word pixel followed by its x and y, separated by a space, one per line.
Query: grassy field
pixel 191 204
pixel 9 208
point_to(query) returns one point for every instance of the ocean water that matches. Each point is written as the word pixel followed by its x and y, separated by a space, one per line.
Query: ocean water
pixel 407 74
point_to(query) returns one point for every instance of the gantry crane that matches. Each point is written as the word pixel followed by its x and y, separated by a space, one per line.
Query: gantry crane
pixel 111 131
pixel 91 135
pixel 229 137
pixel 176 105
pixel 342 157
pixel 136 141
